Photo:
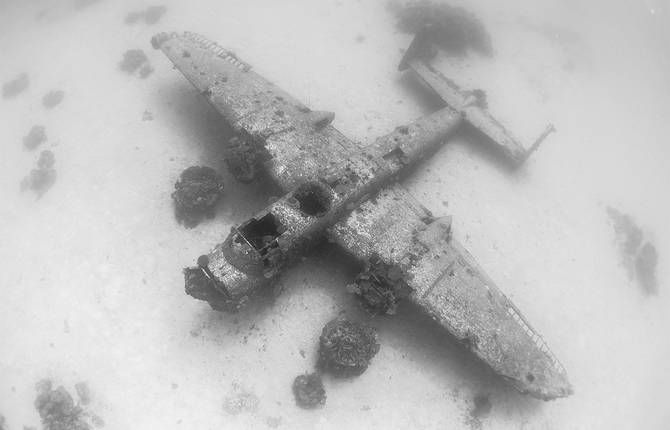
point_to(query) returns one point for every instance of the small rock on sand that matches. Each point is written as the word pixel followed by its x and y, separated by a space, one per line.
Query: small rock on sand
pixel 308 391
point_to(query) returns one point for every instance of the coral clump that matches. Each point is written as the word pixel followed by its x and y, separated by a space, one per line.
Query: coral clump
pixel 43 177
pixel 196 194
pixel 346 347
pixel 57 409
pixel 454 29
pixel 308 391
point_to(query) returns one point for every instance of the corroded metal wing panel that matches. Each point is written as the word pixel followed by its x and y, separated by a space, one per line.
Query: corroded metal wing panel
pixel 296 141
pixel 446 283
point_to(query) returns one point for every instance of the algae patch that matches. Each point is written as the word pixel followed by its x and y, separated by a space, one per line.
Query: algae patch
pixel 52 99
pixel 58 410
pixel 81 4
pixel 43 177
pixel 638 255
pixel 136 60
pixel 35 137
pixel 455 29
pixel 16 86
pixel 150 15
pixel 481 408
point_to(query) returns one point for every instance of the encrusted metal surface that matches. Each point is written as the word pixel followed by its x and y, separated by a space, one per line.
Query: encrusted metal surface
pixel 448 285
pixel 337 190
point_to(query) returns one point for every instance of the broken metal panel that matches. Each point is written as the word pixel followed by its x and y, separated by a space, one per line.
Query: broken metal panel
pixel 448 285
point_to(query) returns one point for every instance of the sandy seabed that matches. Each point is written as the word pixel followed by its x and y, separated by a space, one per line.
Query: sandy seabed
pixel 90 273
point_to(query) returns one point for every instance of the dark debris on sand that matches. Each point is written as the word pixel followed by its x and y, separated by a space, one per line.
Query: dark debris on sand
pixel 639 256
pixel 52 99
pixel 43 177
pixel 455 29
pixel 16 86
pixel 150 15
pixel 308 391
pixel 134 60
pixel 346 347
pixel 57 409
pixel 35 137
pixel 197 192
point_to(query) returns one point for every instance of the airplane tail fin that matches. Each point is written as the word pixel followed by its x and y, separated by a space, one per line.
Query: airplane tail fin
pixel 471 104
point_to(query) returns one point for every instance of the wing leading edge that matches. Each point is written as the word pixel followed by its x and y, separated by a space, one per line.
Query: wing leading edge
pixel 445 282
pixel 280 135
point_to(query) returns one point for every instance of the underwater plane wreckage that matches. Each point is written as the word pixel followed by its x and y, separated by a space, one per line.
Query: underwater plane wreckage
pixel 339 191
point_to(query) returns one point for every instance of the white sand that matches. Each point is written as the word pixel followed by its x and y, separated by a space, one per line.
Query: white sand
pixel 90 276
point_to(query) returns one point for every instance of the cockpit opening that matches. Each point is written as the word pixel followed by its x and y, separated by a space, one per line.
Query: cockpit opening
pixel 314 200
pixel 259 233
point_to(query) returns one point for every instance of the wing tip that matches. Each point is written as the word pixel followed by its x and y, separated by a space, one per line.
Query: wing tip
pixel 202 42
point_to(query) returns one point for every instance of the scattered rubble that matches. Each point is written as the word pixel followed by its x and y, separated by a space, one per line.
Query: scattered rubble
pixel 638 255
pixel 147 115
pixel 43 177
pixel 35 137
pixel 196 194
pixel 16 86
pixel 134 60
pixel 346 347
pixel 57 409
pixel 455 29
pixel 308 391
pixel 52 98
pixel 150 15
pixel 380 286
pixel 240 401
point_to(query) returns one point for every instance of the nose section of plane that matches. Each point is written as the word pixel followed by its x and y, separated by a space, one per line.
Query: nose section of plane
pixel 218 282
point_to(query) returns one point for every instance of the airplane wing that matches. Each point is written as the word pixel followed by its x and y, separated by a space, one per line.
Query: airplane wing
pixel 277 133
pixel 411 254
pixel 406 251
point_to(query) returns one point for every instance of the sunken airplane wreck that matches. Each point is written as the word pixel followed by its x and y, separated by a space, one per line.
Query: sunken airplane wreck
pixel 347 194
